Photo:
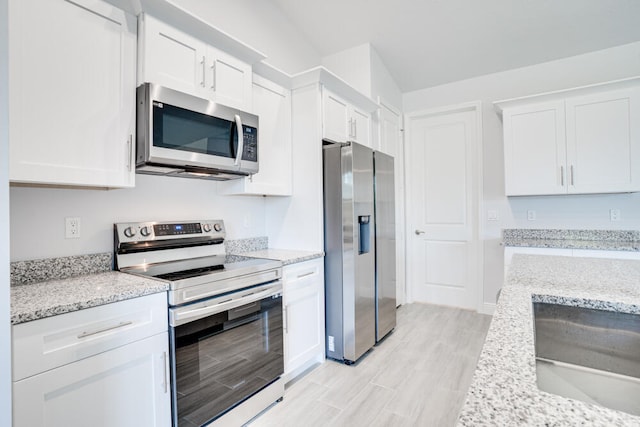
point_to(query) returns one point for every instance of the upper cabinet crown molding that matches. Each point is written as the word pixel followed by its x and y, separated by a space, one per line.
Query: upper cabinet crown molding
pixel 336 84
pixel 274 74
pixel 544 97
pixel 183 20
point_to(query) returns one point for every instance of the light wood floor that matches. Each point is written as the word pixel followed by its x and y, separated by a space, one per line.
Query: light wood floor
pixel 417 376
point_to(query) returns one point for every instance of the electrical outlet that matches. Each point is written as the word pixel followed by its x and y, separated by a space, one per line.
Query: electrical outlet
pixel 531 215
pixel 614 214
pixel 72 228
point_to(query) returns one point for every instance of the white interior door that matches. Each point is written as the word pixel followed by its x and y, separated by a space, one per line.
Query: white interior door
pixel 442 193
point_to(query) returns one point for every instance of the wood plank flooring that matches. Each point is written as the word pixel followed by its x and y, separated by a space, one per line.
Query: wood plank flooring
pixel 417 376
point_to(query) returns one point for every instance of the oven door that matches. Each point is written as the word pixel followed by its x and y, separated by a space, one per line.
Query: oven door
pixel 223 351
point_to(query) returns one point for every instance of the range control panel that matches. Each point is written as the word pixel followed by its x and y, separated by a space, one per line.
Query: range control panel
pixel 152 231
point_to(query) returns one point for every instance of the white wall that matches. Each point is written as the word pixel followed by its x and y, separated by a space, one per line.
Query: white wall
pixel 38 214
pixel 552 211
pixel 353 66
pixel 5 326
pixel 261 25
pixel 382 83
pixel 362 67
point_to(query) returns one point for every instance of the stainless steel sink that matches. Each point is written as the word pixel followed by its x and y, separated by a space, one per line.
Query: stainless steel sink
pixel 589 355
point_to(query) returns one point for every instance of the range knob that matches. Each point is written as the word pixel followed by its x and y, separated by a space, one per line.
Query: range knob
pixel 217 227
pixel 145 231
pixel 129 232
pixel 206 227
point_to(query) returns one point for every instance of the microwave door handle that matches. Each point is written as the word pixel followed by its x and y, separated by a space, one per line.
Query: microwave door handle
pixel 240 139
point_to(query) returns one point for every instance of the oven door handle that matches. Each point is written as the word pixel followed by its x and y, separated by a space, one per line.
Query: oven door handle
pixel 181 315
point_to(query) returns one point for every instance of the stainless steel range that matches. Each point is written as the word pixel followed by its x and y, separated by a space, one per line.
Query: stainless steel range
pixel 225 318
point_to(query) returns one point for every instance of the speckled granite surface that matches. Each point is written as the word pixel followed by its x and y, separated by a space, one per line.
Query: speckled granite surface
pixel 504 391
pixel 39 270
pixel 246 245
pixel 610 240
pixel 285 255
pixel 45 299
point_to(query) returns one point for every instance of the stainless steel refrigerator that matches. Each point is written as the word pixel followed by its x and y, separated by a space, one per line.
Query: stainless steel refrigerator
pixel 359 235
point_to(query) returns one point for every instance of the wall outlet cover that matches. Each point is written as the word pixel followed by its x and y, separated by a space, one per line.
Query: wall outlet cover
pixel 72 228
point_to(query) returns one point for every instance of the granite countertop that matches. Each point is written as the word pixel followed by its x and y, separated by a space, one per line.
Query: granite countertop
pixel 287 256
pixel 49 298
pixel 504 390
pixel 608 240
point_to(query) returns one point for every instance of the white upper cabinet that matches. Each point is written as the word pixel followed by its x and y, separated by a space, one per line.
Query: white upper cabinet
pixel 603 142
pixel 272 104
pixel 177 60
pixel 574 144
pixel 72 93
pixel 342 122
pixel 336 122
pixel 534 149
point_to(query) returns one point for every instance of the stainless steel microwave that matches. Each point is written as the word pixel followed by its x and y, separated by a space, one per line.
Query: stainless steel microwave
pixel 182 135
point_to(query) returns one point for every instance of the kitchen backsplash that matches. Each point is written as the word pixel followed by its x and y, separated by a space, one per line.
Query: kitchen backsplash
pixel 552 234
pixel 39 270
pixel 246 245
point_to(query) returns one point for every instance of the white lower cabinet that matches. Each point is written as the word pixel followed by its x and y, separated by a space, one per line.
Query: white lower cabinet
pixel 103 366
pixel 304 316
pixel 127 386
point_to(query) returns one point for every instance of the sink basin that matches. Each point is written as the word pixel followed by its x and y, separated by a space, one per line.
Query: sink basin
pixel 589 355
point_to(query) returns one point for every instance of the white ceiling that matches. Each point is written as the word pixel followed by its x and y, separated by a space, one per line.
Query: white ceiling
pixel 425 43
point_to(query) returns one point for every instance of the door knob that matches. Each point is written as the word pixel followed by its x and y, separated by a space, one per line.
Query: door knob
pixel 419 232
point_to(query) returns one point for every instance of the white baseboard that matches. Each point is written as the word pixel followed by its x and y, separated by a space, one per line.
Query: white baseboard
pixel 487 308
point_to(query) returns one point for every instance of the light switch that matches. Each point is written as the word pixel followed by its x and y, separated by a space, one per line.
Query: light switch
pixel 492 215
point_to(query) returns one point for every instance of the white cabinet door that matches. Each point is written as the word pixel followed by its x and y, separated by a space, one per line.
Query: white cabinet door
pixel 534 149
pixel 72 93
pixel 177 60
pixel 172 58
pixel 361 127
pixel 304 315
pixel 336 122
pixel 127 386
pixel 229 79
pixel 272 104
pixel 603 142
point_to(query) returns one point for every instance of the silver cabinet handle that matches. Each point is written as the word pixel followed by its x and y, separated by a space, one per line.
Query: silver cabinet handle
pixel 203 72
pixel 285 319
pixel 165 367
pixel 130 151
pixel 355 129
pixel 572 183
pixel 419 232
pixel 108 328
pixel 300 276
pixel 213 75
pixel 562 176
pixel 240 139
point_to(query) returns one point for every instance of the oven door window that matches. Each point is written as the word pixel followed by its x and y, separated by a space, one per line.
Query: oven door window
pixel 223 359
pixel 181 129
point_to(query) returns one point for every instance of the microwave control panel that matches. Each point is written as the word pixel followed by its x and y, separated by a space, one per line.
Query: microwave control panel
pixel 250 148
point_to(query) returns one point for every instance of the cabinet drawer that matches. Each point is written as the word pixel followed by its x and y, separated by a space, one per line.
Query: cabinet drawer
pixel 307 270
pixel 47 343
